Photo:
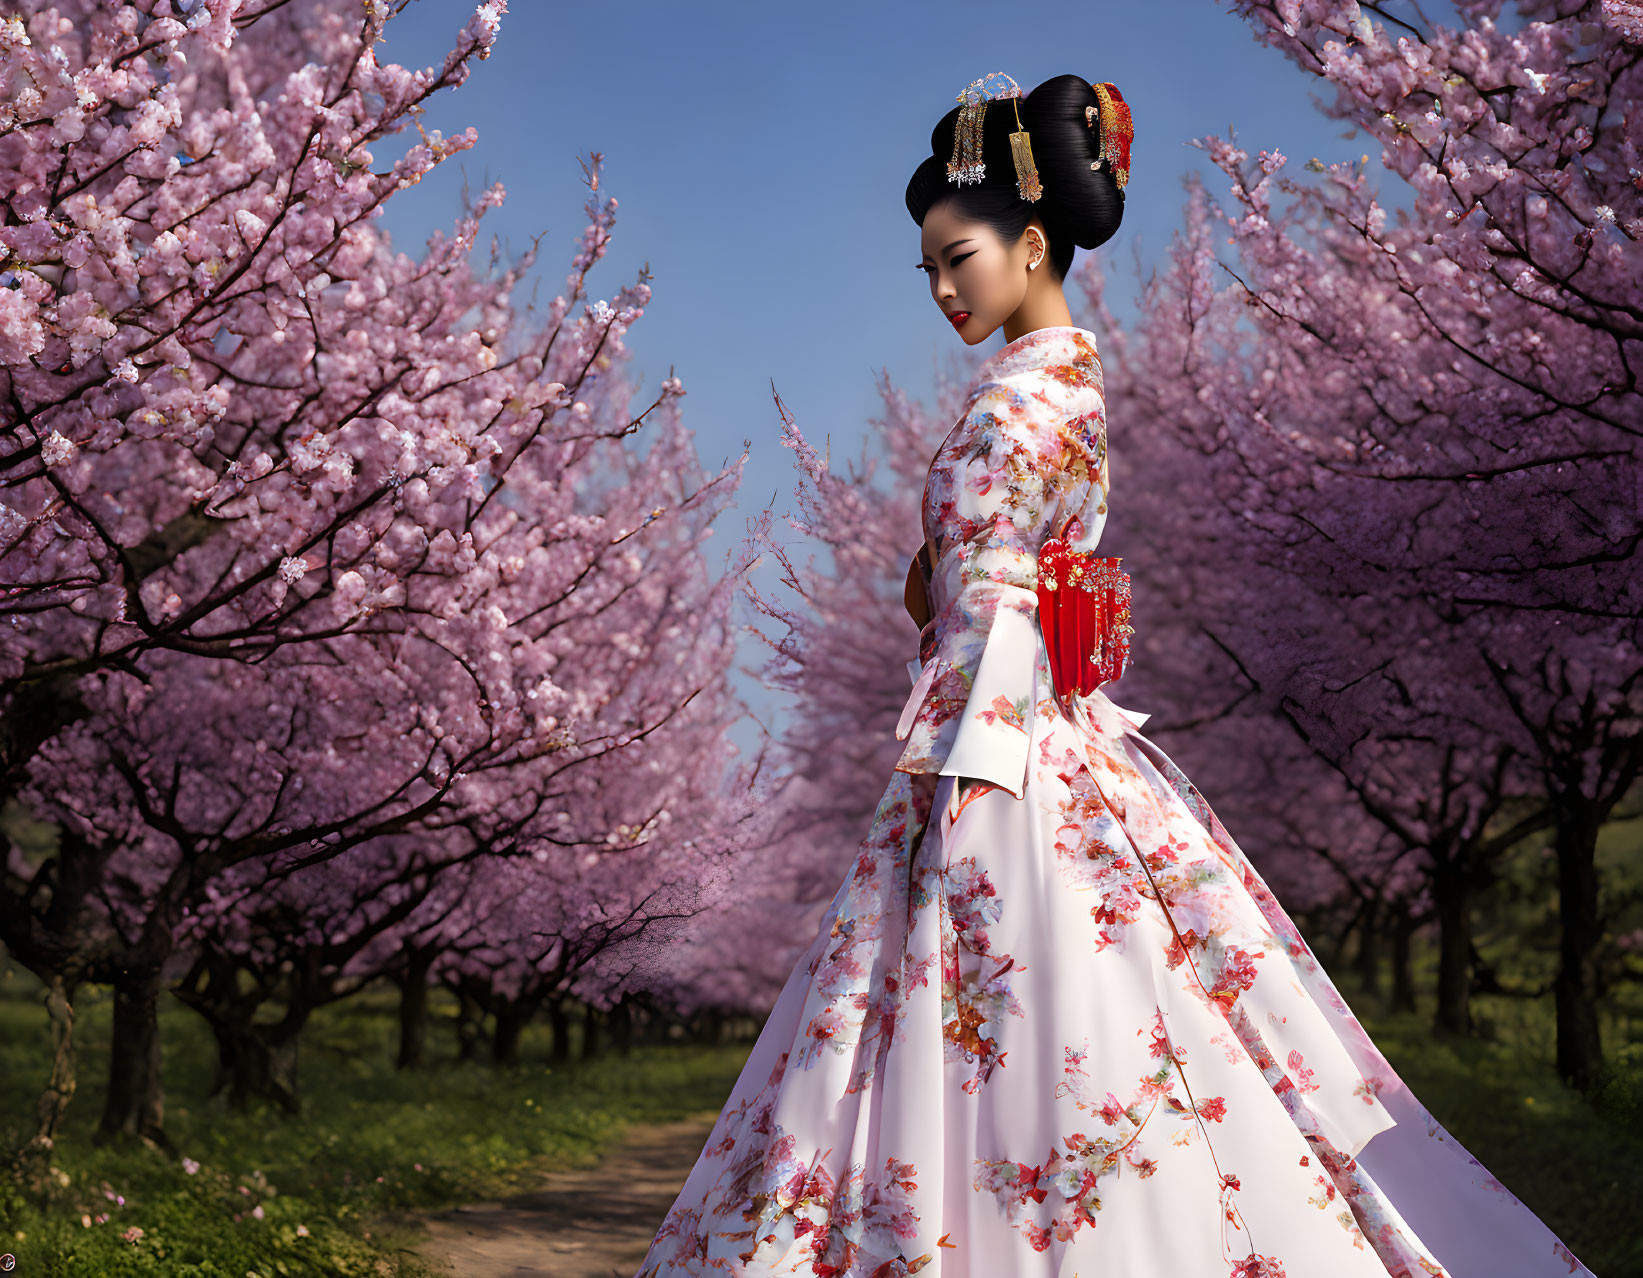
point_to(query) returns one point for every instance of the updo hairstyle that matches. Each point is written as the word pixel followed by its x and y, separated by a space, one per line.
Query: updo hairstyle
pixel 1081 207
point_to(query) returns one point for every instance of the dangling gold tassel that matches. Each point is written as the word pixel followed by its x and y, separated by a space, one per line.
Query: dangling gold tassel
pixel 1021 150
pixel 967 164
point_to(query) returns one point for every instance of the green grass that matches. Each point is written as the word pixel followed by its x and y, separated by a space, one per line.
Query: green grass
pixel 334 1184
pixel 1577 1163
pixel 374 1145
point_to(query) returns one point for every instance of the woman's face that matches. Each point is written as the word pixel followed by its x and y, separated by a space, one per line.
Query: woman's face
pixel 973 275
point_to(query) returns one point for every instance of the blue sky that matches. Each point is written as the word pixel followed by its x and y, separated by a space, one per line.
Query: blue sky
pixel 759 154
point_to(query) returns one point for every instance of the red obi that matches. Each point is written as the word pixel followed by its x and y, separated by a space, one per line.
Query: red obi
pixel 1084 610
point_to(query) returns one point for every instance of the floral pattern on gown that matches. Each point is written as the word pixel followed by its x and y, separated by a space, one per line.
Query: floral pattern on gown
pixel 1054 1023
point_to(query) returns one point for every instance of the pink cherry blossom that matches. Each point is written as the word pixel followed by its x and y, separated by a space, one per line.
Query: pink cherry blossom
pixel 332 581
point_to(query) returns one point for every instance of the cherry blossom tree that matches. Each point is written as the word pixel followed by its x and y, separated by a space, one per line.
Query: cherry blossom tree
pixel 1439 419
pixel 308 548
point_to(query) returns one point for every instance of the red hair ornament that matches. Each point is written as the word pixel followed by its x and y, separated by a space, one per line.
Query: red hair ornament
pixel 1117 130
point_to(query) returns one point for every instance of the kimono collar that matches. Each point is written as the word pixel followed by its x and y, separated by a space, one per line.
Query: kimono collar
pixel 1054 344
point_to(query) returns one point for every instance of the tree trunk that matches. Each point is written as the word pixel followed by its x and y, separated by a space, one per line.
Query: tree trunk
pixel 511 1019
pixel 34 1159
pixel 253 1059
pixel 413 1006
pixel 1452 897
pixel 261 1061
pixel 1403 974
pixel 621 1026
pixel 1368 959
pixel 470 1025
pixel 590 1032
pixel 1579 1044
pixel 559 1023
pixel 136 1100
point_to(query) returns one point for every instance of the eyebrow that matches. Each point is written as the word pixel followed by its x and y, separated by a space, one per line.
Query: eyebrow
pixel 949 248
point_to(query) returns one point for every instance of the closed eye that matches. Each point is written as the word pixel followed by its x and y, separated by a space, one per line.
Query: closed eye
pixel 925 266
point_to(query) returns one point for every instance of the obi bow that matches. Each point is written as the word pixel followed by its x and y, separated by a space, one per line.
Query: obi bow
pixel 1084 609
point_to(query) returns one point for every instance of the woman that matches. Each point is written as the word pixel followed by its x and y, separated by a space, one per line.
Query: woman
pixel 1054 1022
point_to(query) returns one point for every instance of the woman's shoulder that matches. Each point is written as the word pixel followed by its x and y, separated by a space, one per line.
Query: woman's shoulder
pixel 1039 401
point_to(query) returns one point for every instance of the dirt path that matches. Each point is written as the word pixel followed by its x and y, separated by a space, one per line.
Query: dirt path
pixel 595 1223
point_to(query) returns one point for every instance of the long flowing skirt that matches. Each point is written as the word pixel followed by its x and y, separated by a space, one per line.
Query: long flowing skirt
pixel 1075 1034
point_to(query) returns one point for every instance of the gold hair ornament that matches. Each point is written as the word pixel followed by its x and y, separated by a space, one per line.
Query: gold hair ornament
pixel 1026 173
pixel 966 164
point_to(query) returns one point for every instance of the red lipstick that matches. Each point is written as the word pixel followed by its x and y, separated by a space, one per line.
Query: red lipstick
pixel 958 318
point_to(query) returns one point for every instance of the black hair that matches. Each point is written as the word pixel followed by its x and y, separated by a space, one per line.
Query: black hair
pixel 1081 207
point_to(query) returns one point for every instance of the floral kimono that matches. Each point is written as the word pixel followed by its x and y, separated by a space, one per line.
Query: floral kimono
pixel 1027 461
pixel 1054 1023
